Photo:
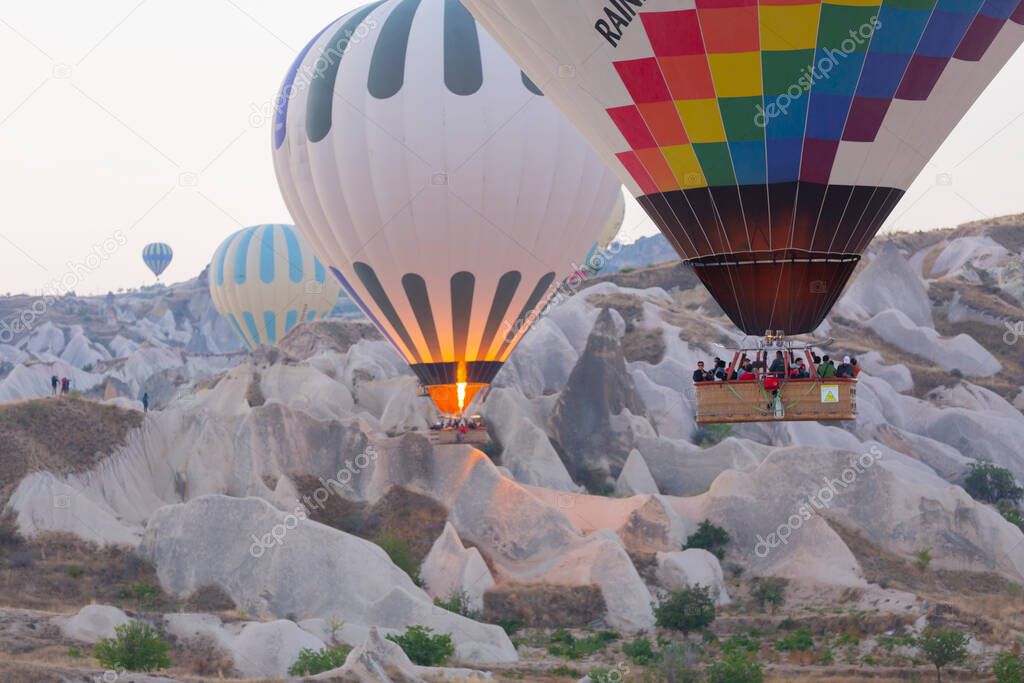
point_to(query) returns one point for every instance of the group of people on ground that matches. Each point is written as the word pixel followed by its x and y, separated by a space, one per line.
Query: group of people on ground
pixel 749 370
pixel 459 425
pixel 62 384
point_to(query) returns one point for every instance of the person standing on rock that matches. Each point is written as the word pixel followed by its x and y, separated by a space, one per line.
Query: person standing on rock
pixel 145 402
pixel 64 384
pixel 53 385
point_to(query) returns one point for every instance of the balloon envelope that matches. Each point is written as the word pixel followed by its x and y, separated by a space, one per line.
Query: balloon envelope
pixel 438 184
pixel 265 280
pixel 597 257
pixel 768 140
pixel 157 257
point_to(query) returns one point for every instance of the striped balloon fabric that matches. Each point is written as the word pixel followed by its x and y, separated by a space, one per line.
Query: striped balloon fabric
pixel 265 280
pixel 157 257
pixel 768 139
pixel 438 183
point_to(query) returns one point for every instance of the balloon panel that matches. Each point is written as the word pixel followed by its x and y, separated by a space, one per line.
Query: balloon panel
pixel 763 138
pixel 265 280
pixel 436 181
pixel 595 259
pixel 157 257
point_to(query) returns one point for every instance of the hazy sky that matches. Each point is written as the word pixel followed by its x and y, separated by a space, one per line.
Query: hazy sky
pixel 125 122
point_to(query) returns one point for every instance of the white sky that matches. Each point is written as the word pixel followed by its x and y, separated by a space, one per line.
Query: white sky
pixel 153 118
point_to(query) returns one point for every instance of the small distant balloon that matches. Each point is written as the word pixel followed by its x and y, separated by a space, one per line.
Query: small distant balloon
pixel 157 257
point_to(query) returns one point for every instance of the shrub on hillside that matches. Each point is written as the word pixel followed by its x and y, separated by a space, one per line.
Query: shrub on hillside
pixel 992 484
pixel 708 537
pixel 706 436
pixel 401 555
pixel 136 646
pixel 735 667
pixel 1009 668
pixel 769 591
pixel 311 662
pixel 677 663
pixel 689 609
pixel 640 651
pixel 423 647
pixel 459 603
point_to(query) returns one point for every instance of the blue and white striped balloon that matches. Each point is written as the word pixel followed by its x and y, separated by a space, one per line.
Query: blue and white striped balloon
pixel 157 257
pixel 265 280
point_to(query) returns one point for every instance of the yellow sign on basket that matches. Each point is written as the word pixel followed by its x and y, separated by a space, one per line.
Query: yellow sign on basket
pixel 830 393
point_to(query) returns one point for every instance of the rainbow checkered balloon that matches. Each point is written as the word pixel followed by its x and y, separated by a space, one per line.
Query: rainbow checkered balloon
pixel 768 139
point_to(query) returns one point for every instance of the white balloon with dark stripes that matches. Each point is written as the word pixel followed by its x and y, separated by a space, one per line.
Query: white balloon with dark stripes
pixel 436 181
pixel 265 280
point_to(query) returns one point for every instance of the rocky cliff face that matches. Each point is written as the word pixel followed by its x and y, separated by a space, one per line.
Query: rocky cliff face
pixel 596 403
pixel 592 418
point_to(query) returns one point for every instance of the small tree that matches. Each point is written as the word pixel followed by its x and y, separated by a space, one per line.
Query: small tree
pixel 992 484
pixel 708 537
pixel 769 590
pixel 136 646
pixel 311 662
pixel 689 609
pixel 1012 515
pixel 401 555
pixel 640 651
pixel 942 648
pixel 923 558
pixel 735 667
pixel 1009 668
pixel 423 647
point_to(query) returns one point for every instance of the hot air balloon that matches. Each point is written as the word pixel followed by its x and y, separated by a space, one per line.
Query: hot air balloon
pixel 265 280
pixel 157 257
pixel 437 183
pixel 768 140
pixel 596 257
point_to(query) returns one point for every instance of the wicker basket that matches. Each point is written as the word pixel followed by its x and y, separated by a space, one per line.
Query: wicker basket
pixel 802 400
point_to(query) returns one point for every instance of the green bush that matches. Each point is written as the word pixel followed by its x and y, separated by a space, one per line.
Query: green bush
pixel 564 644
pixel 769 590
pixel 735 667
pixel 459 604
pixel 942 648
pixel 311 662
pixel 401 555
pixel 1009 668
pixel 143 593
pixel 640 651
pixel 992 484
pixel 677 663
pixel 923 558
pixel 689 609
pixel 511 626
pixel 706 436
pixel 136 646
pixel 708 537
pixel 423 647
pixel 741 643
pixel 800 640
pixel 1012 515
pixel 603 675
